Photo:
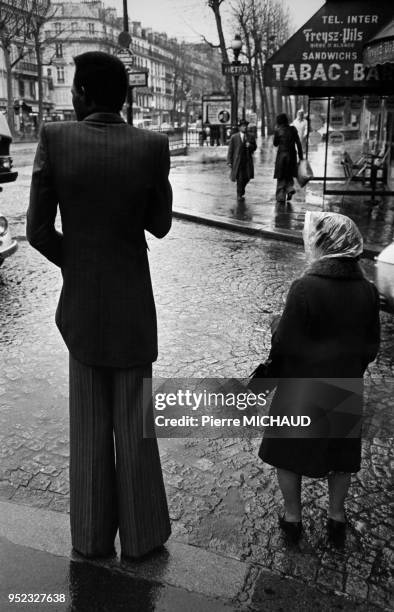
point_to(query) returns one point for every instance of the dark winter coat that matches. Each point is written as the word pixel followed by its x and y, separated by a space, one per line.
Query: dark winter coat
pixel 240 157
pixel 329 330
pixel 110 182
pixel 286 139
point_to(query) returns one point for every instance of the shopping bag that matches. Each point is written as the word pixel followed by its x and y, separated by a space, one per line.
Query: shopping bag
pixel 304 172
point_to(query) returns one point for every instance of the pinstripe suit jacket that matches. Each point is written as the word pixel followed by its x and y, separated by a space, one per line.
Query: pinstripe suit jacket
pixel 110 181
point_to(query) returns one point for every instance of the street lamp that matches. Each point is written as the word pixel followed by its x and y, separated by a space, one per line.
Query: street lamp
pixel 236 46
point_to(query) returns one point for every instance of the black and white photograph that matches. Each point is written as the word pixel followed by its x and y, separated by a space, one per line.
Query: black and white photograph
pixel 196 305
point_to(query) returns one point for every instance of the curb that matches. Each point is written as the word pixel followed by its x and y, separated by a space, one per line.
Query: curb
pixel 254 229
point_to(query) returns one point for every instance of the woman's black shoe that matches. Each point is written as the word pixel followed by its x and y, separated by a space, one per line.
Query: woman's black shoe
pixel 336 532
pixel 291 530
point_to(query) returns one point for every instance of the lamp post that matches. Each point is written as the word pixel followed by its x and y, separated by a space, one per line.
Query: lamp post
pixel 236 46
pixel 129 99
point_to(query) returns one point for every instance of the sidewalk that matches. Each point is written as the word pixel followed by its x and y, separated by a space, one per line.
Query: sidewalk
pixel 203 193
pixel 35 547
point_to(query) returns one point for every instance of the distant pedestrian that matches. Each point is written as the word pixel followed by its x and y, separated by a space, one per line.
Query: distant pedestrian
pixel 301 125
pixel 287 140
pixel 199 130
pixel 240 157
pixel 110 181
pixel 321 345
pixel 207 134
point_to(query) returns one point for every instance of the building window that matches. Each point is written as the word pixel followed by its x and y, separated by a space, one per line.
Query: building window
pixel 47 34
pixel 91 28
pixel 32 87
pixel 74 26
pixel 21 87
pixel 60 74
pixel 59 50
pixel 58 27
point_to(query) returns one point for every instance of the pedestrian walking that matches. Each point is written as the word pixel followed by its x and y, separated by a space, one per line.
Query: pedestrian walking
pixel 240 158
pixel 301 125
pixel 287 140
pixel 327 335
pixel 110 181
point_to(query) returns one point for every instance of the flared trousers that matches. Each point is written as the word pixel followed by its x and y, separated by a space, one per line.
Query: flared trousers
pixel 116 480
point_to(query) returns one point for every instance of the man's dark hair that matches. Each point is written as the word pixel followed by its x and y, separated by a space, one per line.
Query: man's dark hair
pixel 282 119
pixel 103 78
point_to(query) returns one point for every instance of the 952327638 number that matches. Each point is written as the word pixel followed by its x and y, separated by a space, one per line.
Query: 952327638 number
pixel 36 597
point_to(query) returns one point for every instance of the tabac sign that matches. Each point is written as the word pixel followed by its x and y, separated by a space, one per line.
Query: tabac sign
pixel 328 50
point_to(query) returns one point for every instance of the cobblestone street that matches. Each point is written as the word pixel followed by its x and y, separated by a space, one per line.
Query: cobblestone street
pixel 216 292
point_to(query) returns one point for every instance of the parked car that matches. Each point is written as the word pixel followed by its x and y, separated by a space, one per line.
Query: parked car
pixel 166 127
pixel 8 246
pixel 384 277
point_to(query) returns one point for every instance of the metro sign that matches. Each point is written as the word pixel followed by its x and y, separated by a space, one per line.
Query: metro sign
pixel 236 69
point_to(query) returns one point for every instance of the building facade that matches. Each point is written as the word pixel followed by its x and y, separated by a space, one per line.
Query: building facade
pixel 178 73
pixel 24 75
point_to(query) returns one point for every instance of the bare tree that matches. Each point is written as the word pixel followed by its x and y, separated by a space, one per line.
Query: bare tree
pixel 40 12
pixel 264 25
pixel 215 6
pixel 14 32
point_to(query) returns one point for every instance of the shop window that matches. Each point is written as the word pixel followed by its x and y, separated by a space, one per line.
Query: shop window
pixel 60 74
pixel 349 144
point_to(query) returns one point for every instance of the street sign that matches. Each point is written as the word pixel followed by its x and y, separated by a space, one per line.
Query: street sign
pixel 126 56
pixel 236 69
pixel 138 79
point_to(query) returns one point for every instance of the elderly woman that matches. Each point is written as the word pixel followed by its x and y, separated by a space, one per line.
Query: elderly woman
pixel 287 140
pixel 327 335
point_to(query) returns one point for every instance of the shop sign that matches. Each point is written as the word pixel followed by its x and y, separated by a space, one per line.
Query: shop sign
pixel 356 104
pixel 316 122
pixel 328 50
pixel 314 138
pixel 316 107
pixel 390 104
pixel 373 104
pixel 337 120
pixel 338 104
pixel 336 138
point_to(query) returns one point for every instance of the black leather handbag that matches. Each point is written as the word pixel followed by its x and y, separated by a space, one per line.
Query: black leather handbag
pixel 264 378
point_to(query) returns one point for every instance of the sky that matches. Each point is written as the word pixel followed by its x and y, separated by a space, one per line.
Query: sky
pixel 189 19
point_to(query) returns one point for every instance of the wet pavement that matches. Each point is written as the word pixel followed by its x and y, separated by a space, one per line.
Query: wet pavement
pixel 203 191
pixel 216 292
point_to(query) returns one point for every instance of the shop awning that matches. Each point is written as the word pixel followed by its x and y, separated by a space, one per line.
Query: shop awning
pixel 325 56
pixel 380 49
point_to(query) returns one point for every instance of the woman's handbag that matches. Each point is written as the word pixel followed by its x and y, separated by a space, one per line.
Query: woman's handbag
pixel 264 378
pixel 304 172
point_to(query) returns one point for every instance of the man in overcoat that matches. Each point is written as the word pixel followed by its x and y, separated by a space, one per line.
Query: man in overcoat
pixel 240 157
pixel 110 182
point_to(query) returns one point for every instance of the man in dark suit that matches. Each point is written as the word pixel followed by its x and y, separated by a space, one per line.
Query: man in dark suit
pixel 110 181
pixel 240 158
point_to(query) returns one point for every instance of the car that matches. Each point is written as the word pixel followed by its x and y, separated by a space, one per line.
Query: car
pixel 8 246
pixel 166 127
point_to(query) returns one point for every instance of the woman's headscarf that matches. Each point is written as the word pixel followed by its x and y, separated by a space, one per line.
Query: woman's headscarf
pixel 328 234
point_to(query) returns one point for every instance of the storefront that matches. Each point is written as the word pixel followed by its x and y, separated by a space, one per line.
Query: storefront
pixel 342 60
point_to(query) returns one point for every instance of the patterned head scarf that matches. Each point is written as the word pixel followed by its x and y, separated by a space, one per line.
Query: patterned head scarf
pixel 329 235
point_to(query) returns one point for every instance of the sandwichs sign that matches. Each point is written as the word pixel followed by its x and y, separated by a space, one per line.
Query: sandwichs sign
pixel 328 50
